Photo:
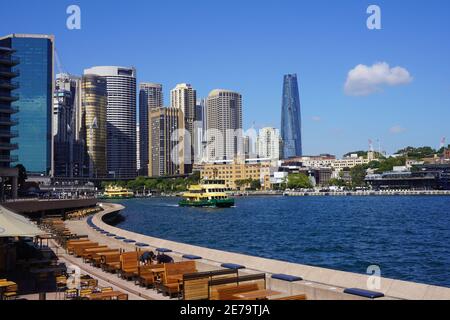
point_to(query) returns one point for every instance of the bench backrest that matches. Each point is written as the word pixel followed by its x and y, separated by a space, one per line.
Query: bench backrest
pixel 109 258
pixel 129 259
pixel 179 268
pixel 93 250
pixel 78 249
pixel 196 289
pixel 196 285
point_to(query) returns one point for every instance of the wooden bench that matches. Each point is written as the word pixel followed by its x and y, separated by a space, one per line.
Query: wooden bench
pixel 145 275
pixel 172 278
pixel 89 252
pixel 129 264
pixel 110 262
pixel 227 293
pixel 70 244
pixel 225 283
pixel 196 285
pixel 96 258
pixel 78 249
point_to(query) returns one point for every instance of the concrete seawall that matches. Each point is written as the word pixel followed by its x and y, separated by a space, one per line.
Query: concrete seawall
pixel 318 283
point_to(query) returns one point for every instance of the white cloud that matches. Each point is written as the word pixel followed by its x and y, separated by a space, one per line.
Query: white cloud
pixel 316 119
pixel 364 80
pixel 397 129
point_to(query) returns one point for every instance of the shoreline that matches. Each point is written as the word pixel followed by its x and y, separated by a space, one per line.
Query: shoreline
pixel 318 283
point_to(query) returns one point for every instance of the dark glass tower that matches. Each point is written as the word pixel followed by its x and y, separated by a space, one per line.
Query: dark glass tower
pixel 291 120
pixel 36 94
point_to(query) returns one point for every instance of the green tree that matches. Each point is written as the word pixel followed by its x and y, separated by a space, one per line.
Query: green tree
pixel 358 174
pixel 255 185
pixel 298 181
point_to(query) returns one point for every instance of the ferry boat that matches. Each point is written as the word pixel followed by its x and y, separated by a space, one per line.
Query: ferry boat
pixel 209 193
pixel 116 192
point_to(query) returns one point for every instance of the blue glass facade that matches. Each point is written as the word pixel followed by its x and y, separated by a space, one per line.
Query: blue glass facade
pixel 291 121
pixel 35 116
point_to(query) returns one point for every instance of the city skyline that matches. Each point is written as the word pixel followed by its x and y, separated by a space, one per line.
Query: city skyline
pixel 339 114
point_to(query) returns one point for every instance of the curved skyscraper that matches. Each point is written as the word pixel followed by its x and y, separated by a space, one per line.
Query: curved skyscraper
pixel 94 102
pixel 291 120
pixel 121 119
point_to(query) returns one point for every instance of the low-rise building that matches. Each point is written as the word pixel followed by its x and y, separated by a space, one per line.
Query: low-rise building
pixel 234 171
pixel 353 161
pixel 425 177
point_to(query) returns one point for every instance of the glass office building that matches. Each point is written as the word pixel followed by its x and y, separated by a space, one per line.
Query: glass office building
pixel 291 121
pixel 36 90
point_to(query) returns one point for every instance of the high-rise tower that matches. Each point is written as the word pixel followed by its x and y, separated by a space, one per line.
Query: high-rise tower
pixel 94 102
pixel 291 118
pixel 121 119
pixel 150 98
pixel 35 75
pixel 184 98
pixel 224 125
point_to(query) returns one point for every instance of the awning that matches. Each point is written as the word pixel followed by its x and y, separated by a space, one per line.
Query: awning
pixel 14 225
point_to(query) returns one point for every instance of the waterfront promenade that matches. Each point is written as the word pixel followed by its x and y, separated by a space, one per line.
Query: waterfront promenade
pixel 317 283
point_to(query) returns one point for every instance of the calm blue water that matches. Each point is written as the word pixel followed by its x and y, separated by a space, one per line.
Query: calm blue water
pixel 408 237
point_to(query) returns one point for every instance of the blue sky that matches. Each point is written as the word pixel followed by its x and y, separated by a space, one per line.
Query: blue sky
pixel 247 46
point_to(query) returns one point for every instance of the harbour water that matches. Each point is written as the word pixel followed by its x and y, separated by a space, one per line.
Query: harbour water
pixel 407 237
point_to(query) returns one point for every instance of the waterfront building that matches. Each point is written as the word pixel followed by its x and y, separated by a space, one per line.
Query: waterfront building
pixel 323 160
pixel 184 98
pixel 353 160
pixel 121 119
pixel 232 172
pixel 150 98
pixel 224 125
pixel 291 122
pixel 68 156
pixel 35 75
pixel 8 72
pixel 166 157
pixel 425 177
pixel 94 127
pixel 269 143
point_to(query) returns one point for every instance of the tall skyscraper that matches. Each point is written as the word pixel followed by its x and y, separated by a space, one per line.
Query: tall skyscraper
pixel 8 71
pixel 121 119
pixel 291 121
pixel 269 143
pixel 36 98
pixel 224 125
pixel 94 127
pixel 184 98
pixel 68 156
pixel 150 98
pixel 198 135
pixel 166 158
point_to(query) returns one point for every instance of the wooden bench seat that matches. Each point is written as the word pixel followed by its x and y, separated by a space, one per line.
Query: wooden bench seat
pixel 227 293
pixel 171 280
pixel 145 275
